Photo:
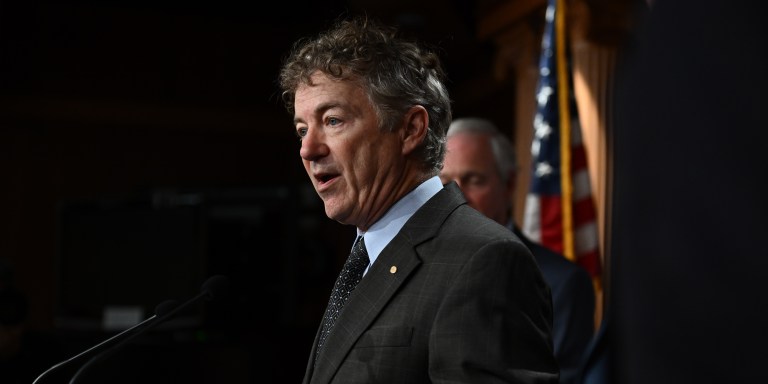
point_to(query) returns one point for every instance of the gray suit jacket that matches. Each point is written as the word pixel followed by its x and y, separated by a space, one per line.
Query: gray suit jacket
pixel 454 298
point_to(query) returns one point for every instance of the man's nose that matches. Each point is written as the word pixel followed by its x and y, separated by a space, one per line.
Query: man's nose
pixel 313 145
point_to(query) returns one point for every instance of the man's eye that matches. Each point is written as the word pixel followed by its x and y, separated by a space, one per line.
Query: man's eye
pixel 333 121
pixel 301 132
pixel 475 181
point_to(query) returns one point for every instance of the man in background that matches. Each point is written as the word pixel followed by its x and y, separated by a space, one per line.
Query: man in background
pixel 482 161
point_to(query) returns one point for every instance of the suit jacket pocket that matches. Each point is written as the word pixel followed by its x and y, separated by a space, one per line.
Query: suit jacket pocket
pixel 386 337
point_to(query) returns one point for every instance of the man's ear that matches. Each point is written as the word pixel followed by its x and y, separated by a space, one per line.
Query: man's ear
pixel 511 184
pixel 416 123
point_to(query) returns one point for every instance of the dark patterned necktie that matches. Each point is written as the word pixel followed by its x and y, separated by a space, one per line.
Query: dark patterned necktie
pixel 350 275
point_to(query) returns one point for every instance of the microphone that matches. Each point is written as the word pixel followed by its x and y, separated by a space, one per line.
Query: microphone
pixel 215 287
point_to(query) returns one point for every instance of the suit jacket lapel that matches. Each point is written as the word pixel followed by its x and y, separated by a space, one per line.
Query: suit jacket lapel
pixel 381 282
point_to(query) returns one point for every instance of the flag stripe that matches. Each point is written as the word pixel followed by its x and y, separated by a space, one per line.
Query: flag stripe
pixel 581 185
pixel 591 262
pixel 585 212
pixel 532 219
pixel 551 222
pixel 578 156
pixel 587 241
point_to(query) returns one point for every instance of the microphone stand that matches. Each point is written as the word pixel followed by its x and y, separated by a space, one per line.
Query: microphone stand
pixel 212 288
pixel 96 347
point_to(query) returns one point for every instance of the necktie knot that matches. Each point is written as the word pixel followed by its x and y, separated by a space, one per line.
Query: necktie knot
pixel 358 261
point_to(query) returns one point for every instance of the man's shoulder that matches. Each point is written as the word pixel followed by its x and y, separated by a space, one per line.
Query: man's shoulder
pixel 553 263
pixel 557 260
pixel 557 269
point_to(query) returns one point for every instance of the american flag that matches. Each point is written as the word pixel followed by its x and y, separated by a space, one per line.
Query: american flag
pixel 559 210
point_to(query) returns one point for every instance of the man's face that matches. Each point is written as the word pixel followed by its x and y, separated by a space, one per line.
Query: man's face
pixel 469 161
pixel 353 165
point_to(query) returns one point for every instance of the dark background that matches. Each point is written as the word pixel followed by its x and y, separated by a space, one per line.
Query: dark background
pixel 144 148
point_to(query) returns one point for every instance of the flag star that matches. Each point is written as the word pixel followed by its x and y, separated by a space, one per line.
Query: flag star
pixel 550 15
pixel 544 94
pixel 543 169
pixel 541 127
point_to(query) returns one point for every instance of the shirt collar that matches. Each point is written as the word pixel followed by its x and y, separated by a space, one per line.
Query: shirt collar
pixel 384 230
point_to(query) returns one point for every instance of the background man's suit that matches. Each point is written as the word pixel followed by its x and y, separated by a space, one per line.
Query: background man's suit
pixel 446 308
pixel 573 300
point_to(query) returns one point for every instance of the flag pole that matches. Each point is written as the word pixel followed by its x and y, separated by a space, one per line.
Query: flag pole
pixel 563 94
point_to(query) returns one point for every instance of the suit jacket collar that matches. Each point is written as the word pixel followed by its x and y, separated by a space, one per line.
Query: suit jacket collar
pixel 381 282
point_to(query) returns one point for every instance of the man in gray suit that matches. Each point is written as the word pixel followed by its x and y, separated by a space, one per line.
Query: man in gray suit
pixel 447 295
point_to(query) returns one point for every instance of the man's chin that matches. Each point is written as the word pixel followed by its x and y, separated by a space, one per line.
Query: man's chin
pixel 335 213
